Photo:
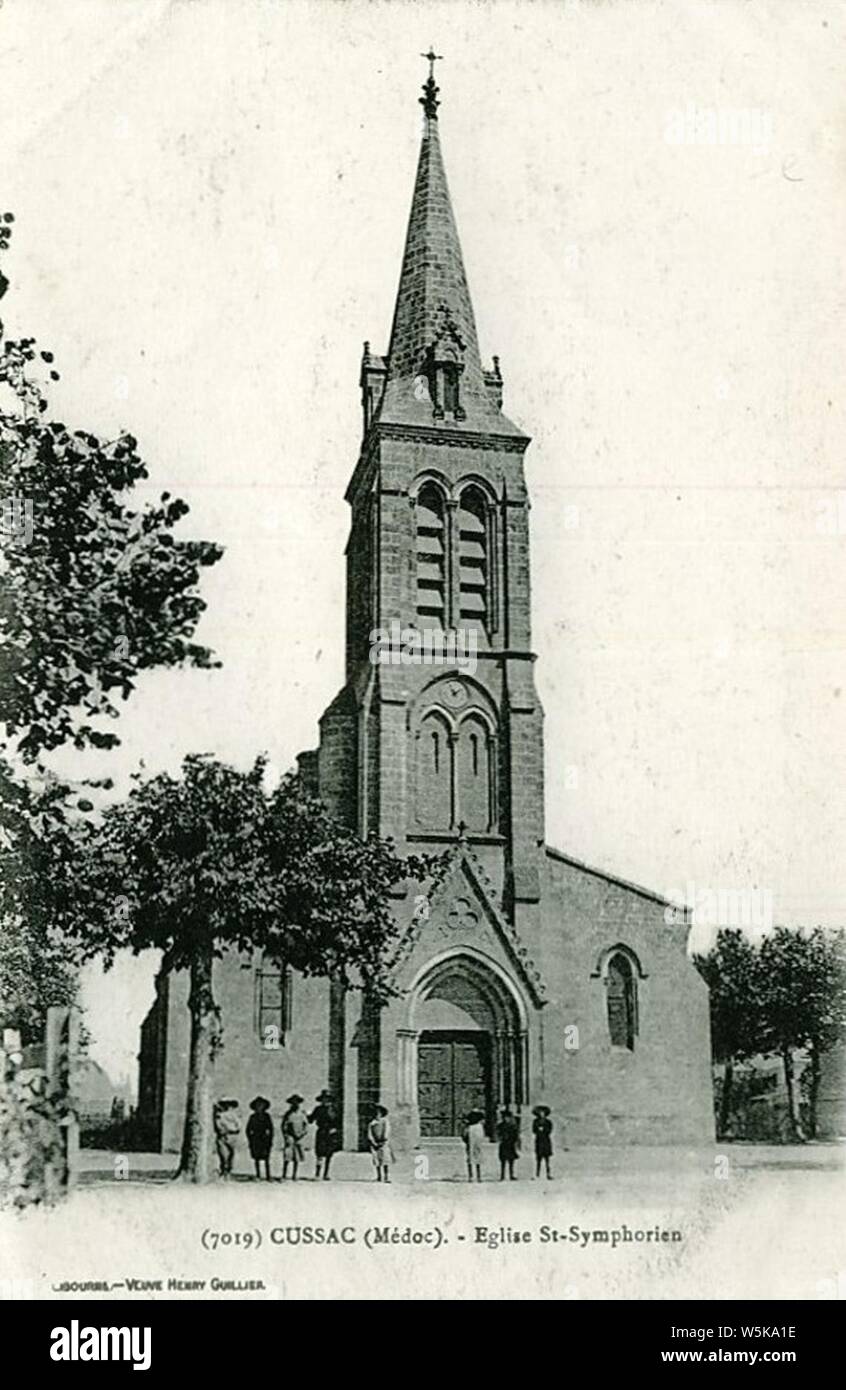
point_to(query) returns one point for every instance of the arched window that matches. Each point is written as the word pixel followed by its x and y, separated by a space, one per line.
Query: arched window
pixel 621 998
pixel 453 754
pixel 273 1002
pixel 473 559
pixel 434 773
pixel 450 371
pixel 431 557
pixel 475 789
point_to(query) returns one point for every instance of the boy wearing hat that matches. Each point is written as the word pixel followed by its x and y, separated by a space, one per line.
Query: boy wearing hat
pixel 294 1131
pixel 226 1126
pixel 326 1139
pixel 260 1135
pixel 473 1134
pixel 379 1139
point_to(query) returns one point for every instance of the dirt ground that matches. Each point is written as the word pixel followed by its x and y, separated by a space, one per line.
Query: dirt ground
pixel 735 1221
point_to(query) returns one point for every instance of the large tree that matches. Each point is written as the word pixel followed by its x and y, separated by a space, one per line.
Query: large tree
pixel 94 590
pixel 804 1005
pixel 213 861
pixel 827 992
pixel 783 996
pixel 731 969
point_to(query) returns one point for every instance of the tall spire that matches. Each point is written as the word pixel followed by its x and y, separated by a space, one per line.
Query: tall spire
pixel 433 364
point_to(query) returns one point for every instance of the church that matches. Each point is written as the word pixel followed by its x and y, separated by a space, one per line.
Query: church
pixel 525 976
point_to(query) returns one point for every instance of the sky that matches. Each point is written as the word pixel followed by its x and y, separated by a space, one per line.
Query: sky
pixel 210 201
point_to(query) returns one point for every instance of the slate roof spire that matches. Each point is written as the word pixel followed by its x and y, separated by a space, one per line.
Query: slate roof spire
pixel 434 350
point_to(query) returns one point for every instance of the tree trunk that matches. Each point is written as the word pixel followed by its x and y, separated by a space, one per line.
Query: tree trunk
pixel 814 1089
pixel 195 1165
pixel 725 1099
pixel 787 1058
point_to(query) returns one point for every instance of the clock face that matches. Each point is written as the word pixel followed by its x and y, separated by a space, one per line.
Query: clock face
pixel 456 693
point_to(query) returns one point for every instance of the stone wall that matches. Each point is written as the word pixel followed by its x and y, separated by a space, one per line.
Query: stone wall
pixel 245 1067
pixel 658 1093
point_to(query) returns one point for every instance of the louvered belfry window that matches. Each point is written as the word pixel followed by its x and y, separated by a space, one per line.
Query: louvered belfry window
pixel 431 557
pixel 473 557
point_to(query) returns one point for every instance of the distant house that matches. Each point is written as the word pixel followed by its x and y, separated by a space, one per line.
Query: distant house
pixel 95 1091
pixel 759 1108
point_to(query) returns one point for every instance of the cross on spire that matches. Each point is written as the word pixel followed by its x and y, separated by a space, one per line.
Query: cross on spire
pixel 429 100
pixel 432 58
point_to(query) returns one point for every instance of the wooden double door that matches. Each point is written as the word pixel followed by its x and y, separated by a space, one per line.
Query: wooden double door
pixel 454 1075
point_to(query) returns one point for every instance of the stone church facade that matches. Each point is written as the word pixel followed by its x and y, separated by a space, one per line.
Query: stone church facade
pixel 525 976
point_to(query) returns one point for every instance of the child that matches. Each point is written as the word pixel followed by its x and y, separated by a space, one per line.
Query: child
pixel 294 1131
pixel 327 1138
pixel 473 1135
pixel 260 1135
pixel 508 1134
pixel 542 1130
pixel 379 1138
pixel 226 1126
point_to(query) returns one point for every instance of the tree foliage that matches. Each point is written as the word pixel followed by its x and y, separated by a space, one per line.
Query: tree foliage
pixel 731 971
pixel 805 1004
pixel 804 1000
pixel 94 589
pixel 212 861
pixel 37 968
pixel 783 996
pixel 31 1148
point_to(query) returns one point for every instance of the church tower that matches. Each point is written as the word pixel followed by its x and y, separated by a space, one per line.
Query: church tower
pixel 438 732
pixel 437 736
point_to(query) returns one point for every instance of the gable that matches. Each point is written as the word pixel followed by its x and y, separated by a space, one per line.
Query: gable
pixel 461 911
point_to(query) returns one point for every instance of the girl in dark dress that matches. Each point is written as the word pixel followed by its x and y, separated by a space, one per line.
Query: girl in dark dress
pixel 542 1130
pixel 326 1137
pixel 508 1134
pixel 260 1135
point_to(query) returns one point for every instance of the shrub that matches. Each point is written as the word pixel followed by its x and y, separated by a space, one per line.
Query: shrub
pixel 32 1145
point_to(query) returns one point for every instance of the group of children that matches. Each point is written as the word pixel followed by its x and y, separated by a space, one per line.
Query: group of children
pixel 293 1129
pixel 295 1123
pixel 508 1141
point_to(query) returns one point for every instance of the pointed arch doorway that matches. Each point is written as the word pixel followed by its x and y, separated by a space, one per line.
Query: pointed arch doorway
pixel 466 1046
